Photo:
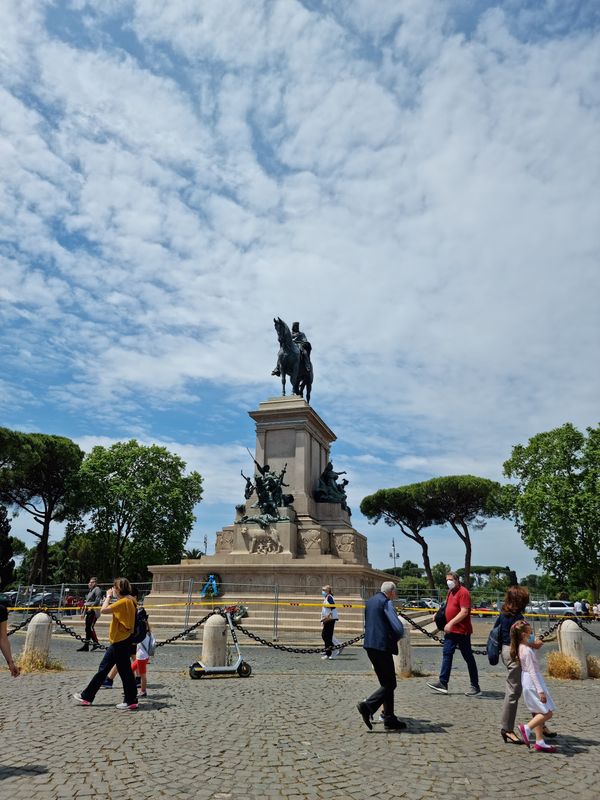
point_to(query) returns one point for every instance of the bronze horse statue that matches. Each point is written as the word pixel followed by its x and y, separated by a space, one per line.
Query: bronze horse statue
pixel 293 359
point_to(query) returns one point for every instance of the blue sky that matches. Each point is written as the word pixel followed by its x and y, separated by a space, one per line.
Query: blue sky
pixel 415 181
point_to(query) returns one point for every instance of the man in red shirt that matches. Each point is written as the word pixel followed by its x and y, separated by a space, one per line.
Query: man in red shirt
pixel 458 630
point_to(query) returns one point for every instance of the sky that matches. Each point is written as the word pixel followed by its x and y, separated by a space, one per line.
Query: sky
pixel 415 181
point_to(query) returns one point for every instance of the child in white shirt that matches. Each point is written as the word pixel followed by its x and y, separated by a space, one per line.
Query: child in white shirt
pixel 535 692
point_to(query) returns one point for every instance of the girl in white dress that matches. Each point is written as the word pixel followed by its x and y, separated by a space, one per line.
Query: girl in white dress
pixel 535 692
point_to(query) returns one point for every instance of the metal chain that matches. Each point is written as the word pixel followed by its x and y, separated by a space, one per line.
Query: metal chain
pixel 22 625
pixel 191 628
pixel 427 633
pixel 70 631
pixel 586 629
pixel 551 629
pixel 303 650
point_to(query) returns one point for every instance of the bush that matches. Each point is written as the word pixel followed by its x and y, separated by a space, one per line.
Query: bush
pixel 593 665
pixel 562 666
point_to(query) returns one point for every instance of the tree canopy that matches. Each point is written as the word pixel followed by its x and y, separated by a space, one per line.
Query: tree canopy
pixel 465 502
pixel 37 473
pixel 410 509
pixel 140 504
pixel 556 501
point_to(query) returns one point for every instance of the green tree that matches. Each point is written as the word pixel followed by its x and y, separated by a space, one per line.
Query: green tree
pixel 439 572
pixel 464 502
pixel 37 475
pixel 7 564
pixel 140 504
pixel 556 502
pixel 408 507
pixel 193 553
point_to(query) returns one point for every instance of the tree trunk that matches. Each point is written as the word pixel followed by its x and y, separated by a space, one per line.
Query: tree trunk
pixel 467 541
pixel 427 564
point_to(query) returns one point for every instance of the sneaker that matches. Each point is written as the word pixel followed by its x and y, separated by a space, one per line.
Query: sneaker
pixel 438 687
pixel 80 700
pixel 524 735
pixel 544 748
pixel 127 706
pixel 325 658
pixel 474 691
pixel 142 694
pixel 108 684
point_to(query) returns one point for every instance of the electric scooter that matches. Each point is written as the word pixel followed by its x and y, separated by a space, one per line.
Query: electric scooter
pixel 239 666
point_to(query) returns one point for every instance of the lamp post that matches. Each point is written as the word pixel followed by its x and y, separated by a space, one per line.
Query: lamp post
pixel 393 554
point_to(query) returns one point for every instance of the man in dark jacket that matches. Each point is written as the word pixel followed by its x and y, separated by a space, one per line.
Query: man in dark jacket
pixel 93 601
pixel 383 629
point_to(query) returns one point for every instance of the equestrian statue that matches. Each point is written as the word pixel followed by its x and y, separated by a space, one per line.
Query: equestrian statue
pixel 293 358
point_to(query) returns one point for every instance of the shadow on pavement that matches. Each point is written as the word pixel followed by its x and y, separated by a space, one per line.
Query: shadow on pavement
pixel 29 769
pixel 570 746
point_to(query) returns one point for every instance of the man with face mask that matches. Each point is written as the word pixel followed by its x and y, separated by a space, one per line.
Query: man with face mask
pixel 458 630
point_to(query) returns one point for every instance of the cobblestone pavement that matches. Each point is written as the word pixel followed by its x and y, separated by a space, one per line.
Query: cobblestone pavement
pixel 291 730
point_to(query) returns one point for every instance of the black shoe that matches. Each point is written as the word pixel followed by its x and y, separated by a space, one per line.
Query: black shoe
pixel 363 710
pixel 83 649
pixel 394 724
pixel 95 646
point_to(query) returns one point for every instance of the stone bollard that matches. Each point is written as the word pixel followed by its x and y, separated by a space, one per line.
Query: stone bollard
pixel 214 642
pixel 570 643
pixel 403 661
pixel 39 633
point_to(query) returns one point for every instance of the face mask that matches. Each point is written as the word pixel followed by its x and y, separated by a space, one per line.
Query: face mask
pixel 324 594
pixel 531 639
pixel 450 584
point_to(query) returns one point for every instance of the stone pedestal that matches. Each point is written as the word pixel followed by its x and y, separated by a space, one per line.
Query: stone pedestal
pixel 315 546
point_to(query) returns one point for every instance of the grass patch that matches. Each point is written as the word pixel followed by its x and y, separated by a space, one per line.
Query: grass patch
pixel 562 666
pixel 36 661
pixel 593 665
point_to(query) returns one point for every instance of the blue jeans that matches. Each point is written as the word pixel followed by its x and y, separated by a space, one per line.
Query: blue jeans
pixel 463 642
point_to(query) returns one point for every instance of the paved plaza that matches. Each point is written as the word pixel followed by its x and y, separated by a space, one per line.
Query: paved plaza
pixel 291 730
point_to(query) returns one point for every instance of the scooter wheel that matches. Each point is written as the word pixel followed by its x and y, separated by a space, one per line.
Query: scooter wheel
pixel 196 671
pixel 244 670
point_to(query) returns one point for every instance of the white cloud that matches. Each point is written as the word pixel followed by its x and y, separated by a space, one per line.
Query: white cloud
pixel 423 200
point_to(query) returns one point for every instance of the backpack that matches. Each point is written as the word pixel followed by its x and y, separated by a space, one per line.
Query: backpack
pixel 150 645
pixel 494 643
pixel 140 629
pixel 440 617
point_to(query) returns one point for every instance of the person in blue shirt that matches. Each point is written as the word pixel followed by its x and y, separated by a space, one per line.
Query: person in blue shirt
pixel 383 630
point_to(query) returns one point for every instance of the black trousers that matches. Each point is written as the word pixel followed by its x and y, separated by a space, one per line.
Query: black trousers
pixel 116 654
pixel 327 635
pixel 90 624
pixel 383 664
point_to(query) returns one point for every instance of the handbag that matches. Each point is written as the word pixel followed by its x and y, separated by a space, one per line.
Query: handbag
pixel 440 617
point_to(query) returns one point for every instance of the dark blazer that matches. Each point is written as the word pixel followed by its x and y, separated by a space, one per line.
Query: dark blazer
pixel 382 626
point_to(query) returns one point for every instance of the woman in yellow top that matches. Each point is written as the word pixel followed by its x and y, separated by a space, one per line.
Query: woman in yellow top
pixel 123 612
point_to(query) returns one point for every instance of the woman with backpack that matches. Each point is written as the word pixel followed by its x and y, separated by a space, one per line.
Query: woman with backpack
pixel 515 602
pixel 120 635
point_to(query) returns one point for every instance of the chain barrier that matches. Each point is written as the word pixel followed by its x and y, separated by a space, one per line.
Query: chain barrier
pixel 58 621
pixel 189 629
pixel 287 649
pixel 586 629
pixel 21 625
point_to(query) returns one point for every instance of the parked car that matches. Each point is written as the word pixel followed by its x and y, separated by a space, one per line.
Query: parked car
pixel 431 602
pixel 5 599
pixel 555 608
pixel 49 599
pixel 482 609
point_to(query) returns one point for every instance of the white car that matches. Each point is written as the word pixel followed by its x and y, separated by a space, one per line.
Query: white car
pixel 556 608
pixel 431 603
